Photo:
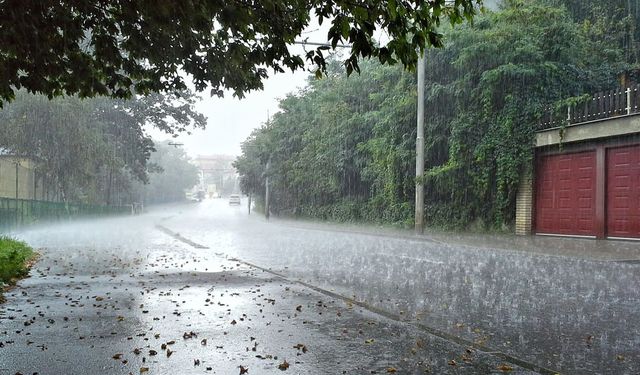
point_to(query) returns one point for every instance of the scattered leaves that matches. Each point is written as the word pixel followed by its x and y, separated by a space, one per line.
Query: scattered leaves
pixel 504 367
pixel 284 365
pixel 301 347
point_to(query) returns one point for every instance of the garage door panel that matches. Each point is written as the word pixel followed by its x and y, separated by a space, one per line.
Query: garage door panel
pixel 623 195
pixel 565 194
pixel 584 202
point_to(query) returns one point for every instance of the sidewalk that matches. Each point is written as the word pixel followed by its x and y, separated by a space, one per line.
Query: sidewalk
pixel 569 247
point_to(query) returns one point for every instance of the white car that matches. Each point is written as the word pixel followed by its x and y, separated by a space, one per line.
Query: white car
pixel 234 199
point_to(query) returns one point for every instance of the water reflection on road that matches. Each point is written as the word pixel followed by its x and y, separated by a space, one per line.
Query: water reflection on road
pixel 575 315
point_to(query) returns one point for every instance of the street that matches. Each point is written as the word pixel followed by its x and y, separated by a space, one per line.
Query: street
pixel 205 288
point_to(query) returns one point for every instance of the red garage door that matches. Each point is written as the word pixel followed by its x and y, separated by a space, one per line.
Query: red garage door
pixel 565 194
pixel 623 192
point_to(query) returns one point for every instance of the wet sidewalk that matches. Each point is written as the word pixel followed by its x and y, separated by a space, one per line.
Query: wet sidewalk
pixel 569 247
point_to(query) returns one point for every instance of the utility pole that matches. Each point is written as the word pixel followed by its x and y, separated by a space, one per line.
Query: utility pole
pixel 17 184
pixel 266 191
pixel 419 213
pixel 266 182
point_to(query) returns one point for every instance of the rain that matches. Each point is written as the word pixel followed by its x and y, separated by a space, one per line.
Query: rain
pixel 238 188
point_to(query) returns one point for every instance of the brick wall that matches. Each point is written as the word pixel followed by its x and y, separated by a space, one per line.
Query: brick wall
pixel 524 206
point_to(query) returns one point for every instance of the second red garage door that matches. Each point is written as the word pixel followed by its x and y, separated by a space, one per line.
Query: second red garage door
pixel 623 192
pixel 566 194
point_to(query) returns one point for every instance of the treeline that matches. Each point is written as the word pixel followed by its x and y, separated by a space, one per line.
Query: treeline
pixel 97 151
pixel 344 148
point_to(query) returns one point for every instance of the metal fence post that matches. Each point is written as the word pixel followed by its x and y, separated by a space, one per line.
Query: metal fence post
pixel 628 91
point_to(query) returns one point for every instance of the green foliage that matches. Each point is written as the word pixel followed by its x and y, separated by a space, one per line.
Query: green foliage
pixel 172 175
pixel 13 257
pixel 119 48
pixel 90 150
pixel 503 71
pixel 344 148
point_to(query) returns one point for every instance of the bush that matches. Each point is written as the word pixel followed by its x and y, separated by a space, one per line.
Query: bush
pixel 13 259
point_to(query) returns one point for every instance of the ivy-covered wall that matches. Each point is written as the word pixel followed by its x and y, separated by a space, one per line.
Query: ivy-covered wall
pixel 344 147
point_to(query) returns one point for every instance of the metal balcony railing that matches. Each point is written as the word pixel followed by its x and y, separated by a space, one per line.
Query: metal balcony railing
pixel 603 105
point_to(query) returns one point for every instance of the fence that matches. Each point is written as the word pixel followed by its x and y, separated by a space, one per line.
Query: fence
pixel 603 105
pixel 15 213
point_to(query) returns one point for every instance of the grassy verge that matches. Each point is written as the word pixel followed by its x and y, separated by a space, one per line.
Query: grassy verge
pixel 15 257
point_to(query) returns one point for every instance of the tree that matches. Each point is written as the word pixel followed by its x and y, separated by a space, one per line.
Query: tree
pixel 344 147
pixel 172 175
pixel 90 150
pixel 116 48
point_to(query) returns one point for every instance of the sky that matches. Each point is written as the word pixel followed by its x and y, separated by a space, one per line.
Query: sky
pixel 231 120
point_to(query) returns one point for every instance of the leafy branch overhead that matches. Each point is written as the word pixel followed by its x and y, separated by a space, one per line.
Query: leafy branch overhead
pixel 116 48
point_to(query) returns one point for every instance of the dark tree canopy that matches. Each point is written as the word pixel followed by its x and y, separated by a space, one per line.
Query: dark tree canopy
pixel 117 47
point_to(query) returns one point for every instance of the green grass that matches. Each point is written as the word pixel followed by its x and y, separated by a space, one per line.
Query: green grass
pixel 14 256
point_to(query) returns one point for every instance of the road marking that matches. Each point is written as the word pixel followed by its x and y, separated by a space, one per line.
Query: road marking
pixel 387 314
pixel 179 237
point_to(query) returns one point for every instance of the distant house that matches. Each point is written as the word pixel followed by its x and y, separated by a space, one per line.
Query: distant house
pixel 217 174
pixel 18 177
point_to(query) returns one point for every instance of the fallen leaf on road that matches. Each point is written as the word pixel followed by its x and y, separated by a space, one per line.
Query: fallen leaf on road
pixel 284 365
pixel 301 347
pixel 505 367
pixel 117 356
pixel 589 340
pixel 391 370
pixel 243 370
pixel 369 341
pixel 452 362
pixel 144 369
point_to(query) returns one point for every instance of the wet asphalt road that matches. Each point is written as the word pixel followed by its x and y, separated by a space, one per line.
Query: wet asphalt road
pixel 366 304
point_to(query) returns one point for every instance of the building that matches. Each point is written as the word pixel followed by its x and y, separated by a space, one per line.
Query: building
pixel 585 180
pixel 18 178
pixel 217 173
